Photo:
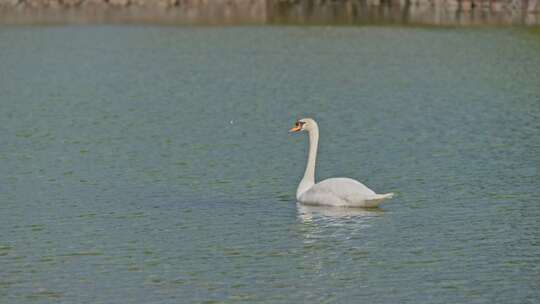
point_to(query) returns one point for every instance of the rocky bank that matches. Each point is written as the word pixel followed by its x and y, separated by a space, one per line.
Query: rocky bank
pixel 432 12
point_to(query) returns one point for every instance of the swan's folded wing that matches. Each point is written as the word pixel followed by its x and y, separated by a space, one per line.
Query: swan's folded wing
pixel 337 191
pixel 345 187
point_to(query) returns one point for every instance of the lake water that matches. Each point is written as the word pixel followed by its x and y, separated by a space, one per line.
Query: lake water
pixel 153 164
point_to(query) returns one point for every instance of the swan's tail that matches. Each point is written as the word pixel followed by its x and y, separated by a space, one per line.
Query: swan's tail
pixel 386 195
pixel 377 199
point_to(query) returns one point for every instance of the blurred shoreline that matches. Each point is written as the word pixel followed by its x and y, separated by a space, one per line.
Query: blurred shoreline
pixel 272 12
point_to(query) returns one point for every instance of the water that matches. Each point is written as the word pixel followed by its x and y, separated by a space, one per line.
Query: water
pixel 153 164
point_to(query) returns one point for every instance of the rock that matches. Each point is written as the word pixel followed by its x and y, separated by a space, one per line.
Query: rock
pixel 93 2
pixel 139 2
pixel 54 3
pixel 71 3
pixel 534 6
pixel 9 2
pixel 34 3
pixel 119 2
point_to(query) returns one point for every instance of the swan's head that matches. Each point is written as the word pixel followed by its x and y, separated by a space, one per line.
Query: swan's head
pixel 304 124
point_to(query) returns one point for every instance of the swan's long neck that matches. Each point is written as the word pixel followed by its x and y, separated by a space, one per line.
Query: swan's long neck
pixel 309 175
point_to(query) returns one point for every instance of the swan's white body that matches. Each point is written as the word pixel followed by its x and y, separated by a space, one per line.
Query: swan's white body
pixel 342 192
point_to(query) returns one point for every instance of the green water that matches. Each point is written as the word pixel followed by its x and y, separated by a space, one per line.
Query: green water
pixel 153 164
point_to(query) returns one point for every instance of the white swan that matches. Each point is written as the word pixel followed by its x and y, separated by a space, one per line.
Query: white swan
pixel 341 191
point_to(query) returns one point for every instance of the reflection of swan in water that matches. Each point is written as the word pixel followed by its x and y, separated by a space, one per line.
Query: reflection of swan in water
pixel 335 226
pixel 333 191
pixel 307 213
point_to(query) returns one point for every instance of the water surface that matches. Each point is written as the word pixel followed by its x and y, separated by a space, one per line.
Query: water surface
pixel 153 165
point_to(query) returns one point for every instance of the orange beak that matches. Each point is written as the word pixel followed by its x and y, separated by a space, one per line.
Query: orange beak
pixel 295 129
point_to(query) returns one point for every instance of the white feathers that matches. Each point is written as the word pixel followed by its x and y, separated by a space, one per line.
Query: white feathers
pixel 342 192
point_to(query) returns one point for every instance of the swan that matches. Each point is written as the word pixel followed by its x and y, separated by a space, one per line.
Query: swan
pixel 340 191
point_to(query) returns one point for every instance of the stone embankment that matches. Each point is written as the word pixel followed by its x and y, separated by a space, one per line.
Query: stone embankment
pixel 496 5
pixel 82 3
pixel 424 12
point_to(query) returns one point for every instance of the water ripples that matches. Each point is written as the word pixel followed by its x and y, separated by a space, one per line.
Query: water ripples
pixel 124 179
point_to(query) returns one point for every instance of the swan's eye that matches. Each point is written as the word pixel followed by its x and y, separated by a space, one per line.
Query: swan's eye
pixel 297 124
